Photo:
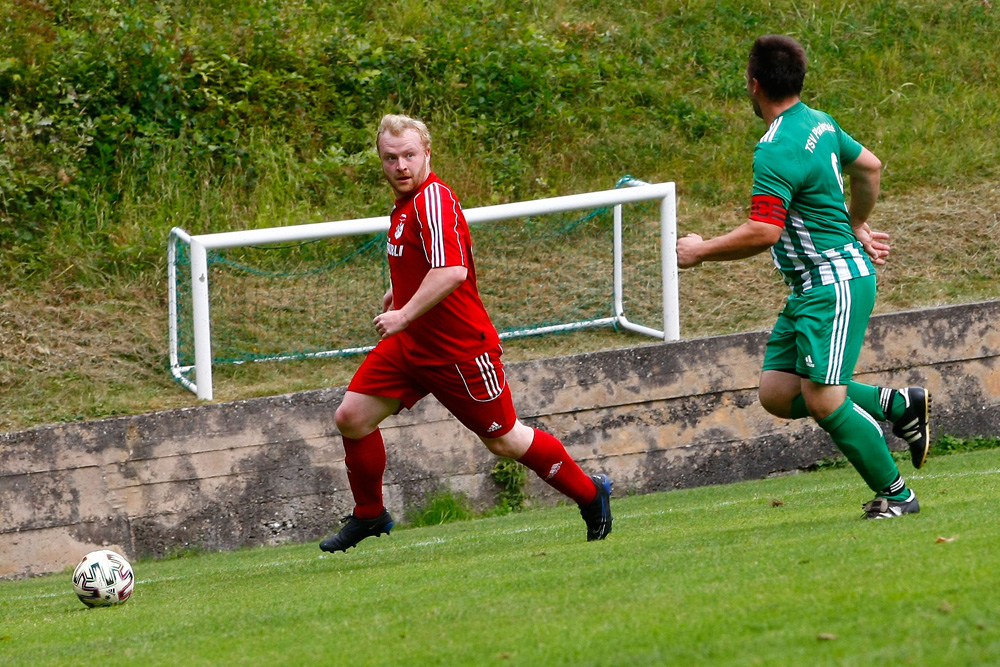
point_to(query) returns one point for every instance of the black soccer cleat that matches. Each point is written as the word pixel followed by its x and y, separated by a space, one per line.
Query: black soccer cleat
pixel 883 508
pixel 914 424
pixel 356 529
pixel 598 513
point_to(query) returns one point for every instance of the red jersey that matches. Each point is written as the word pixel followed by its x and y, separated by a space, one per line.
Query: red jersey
pixel 428 231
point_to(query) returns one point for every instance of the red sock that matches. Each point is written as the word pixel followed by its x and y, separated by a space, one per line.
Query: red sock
pixel 548 459
pixel 365 460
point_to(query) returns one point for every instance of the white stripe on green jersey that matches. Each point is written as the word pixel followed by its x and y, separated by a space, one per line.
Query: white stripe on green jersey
pixel 799 160
pixel 804 266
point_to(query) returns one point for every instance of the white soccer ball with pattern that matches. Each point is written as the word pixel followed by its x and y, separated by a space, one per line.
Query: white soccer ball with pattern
pixel 103 578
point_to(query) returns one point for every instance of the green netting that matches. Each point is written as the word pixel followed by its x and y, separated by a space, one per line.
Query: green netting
pixel 308 299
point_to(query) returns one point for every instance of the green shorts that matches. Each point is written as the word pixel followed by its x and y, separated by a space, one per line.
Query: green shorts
pixel 819 333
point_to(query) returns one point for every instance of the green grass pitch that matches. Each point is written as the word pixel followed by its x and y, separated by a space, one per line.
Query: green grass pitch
pixel 774 572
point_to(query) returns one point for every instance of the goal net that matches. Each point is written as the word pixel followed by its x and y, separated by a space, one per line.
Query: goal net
pixel 309 291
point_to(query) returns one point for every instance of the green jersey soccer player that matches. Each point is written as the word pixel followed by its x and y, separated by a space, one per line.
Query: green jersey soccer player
pixel 826 253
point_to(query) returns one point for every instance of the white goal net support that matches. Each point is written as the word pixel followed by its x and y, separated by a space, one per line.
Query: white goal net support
pixel 310 291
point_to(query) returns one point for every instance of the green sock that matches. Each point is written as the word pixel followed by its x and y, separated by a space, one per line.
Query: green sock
pixel 896 491
pixel 868 397
pixel 897 404
pixel 860 438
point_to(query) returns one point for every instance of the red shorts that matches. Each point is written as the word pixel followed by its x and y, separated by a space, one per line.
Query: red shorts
pixel 475 391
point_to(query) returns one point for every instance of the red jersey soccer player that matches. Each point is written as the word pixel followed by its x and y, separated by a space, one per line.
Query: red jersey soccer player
pixel 436 338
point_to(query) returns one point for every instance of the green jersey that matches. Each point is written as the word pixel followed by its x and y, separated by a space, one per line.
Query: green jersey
pixel 797 165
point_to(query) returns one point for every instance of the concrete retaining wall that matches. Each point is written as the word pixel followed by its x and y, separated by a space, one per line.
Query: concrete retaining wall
pixel 270 470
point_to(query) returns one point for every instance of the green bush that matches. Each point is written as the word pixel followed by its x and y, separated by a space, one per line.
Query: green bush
pixel 950 444
pixel 511 478
pixel 97 95
pixel 441 507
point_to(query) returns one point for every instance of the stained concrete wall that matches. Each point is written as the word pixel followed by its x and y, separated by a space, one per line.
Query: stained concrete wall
pixel 270 470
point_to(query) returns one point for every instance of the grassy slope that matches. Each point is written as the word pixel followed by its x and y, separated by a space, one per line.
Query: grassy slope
pixel 773 572
pixel 651 89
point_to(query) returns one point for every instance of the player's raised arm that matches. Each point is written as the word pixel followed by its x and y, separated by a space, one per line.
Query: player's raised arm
pixel 750 238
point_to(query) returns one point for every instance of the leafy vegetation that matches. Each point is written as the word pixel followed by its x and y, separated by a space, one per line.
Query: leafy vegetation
pixel 949 444
pixel 446 506
pixel 511 477
pixel 120 119
pixel 441 507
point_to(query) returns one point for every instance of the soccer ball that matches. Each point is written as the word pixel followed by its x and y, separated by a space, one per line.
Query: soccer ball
pixel 103 578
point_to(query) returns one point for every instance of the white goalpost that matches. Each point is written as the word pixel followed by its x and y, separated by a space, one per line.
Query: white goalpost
pixel 199 247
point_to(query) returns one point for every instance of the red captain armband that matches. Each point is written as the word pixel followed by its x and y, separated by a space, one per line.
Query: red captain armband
pixel 769 209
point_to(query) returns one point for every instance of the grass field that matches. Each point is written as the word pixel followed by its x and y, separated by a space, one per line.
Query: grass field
pixel 775 572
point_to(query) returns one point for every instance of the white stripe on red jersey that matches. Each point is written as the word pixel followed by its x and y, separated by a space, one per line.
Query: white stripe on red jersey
pixel 430 231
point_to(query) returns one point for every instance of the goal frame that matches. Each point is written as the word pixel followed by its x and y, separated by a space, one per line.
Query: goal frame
pixel 200 244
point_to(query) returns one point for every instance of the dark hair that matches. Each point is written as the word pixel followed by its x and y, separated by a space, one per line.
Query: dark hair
pixel 779 65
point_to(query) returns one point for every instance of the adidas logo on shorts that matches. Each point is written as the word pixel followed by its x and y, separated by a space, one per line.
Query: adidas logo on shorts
pixel 493 427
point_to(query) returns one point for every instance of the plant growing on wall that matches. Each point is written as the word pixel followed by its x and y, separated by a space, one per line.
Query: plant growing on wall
pixel 511 477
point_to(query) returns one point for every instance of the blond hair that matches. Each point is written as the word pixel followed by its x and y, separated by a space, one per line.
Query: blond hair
pixel 396 125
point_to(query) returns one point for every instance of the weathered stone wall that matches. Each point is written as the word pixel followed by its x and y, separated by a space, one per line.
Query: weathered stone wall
pixel 270 470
